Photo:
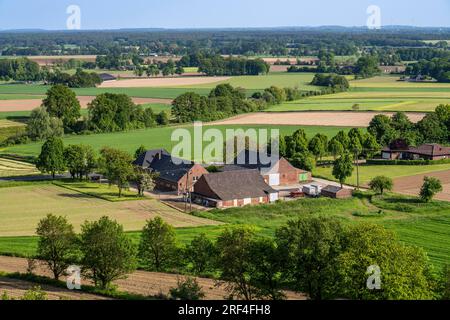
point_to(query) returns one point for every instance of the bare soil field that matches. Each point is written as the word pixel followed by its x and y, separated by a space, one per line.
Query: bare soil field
pixel 140 282
pixel 161 82
pixel 15 289
pixel 344 119
pixel 411 185
pixel 30 104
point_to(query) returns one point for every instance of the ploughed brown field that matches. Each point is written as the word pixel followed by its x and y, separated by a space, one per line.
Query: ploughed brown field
pixel 161 82
pixel 140 282
pixel 338 119
pixel 411 185
pixel 15 289
pixel 30 104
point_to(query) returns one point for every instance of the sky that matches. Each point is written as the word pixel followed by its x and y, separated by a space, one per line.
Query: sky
pixel 115 14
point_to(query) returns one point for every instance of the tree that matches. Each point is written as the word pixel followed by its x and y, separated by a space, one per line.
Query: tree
pixel 318 146
pixel 304 160
pixel 431 186
pixel 343 138
pixel 187 289
pixel 265 268
pixel 157 246
pixel 432 130
pixel 41 126
pixel 108 253
pixel 367 66
pixel 61 102
pixel 234 262
pixel 56 244
pixel 140 151
pixel 145 180
pixel 80 160
pixel 405 272
pixel 370 146
pixel 310 248
pixel 380 127
pixel 200 253
pixel 335 147
pixel 162 118
pixel 343 168
pixel 51 158
pixel 117 166
pixel 380 184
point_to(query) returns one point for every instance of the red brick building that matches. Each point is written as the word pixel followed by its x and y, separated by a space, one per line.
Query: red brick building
pixel 233 189
pixel 336 192
pixel 280 173
pixel 432 151
pixel 175 175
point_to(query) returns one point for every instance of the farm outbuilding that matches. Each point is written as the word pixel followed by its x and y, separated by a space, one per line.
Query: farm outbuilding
pixel 336 192
pixel 233 189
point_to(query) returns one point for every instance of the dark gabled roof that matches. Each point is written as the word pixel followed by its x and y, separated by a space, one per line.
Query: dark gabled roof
pixel 145 159
pixel 170 168
pixel 332 189
pixel 239 184
pixel 252 160
pixel 432 149
pixel 107 77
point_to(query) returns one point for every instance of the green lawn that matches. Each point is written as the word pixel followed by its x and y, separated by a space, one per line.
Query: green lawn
pixel 368 172
pixel 159 137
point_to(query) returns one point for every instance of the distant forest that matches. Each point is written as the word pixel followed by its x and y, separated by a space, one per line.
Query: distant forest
pixel 251 42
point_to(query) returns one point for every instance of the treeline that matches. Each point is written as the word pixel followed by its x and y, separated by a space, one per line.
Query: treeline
pixel 232 66
pixel 433 128
pixel 281 42
pixel 61 113
pixel 438 68
pixel 81 79
pixel 305 154
pixel 249 267
pixel 21 69
pixel 225 101
pixel 331 80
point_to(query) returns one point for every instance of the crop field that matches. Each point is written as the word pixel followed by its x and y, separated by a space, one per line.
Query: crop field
pixel 300 80
pixel 11 168
pixel 368 172
pixel 159 137
pixel 345 119
pixel 382 93
pixel 22 207
pixel 416 223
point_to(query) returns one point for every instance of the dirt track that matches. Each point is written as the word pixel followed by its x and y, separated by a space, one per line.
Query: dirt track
pixel 140 282
pixel 30 104
pixel 411 185
pixel 161 82
pixel 344 119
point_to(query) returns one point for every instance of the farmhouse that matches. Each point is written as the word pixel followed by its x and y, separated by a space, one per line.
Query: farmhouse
pixel 336 192
pixel 432 151
pixel 174 175
pixel 280 173
pixel 233 189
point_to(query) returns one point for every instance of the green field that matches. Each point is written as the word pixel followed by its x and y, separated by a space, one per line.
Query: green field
pixel 10 168
pixel 22 207
pixel 159 137
pixel 416 223
pixel 280 79
pixel 368 172
pixel 383 93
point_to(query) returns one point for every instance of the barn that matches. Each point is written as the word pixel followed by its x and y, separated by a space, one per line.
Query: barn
pixel 336 192
pixel 233 189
